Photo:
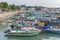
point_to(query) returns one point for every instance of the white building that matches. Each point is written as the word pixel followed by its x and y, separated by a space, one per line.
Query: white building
pixel 0 10
pixel 30 8
pixel 23 8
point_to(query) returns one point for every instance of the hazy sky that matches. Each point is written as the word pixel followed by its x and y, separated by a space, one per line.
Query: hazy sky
pixel 45 3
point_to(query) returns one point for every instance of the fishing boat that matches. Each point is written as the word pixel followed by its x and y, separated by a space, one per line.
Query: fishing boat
pixel 57 31
pixel 22 33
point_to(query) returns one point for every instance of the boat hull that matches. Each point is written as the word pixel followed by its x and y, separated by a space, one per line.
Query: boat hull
pixel 53 31
pixel 31 33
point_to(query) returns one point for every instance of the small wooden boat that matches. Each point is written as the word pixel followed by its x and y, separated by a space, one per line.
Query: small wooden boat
pixel 22 33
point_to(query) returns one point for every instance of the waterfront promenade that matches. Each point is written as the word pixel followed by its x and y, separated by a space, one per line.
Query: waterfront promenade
pixel 5 15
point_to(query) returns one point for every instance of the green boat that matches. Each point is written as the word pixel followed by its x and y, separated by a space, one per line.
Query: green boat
pixel 22 33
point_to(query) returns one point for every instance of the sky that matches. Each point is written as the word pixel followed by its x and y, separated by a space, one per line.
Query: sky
pixel 45 3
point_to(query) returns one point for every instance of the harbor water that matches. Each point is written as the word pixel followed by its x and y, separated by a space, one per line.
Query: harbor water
pixel 41 36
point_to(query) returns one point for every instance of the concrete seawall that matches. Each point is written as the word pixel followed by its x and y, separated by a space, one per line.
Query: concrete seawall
pixel 5 15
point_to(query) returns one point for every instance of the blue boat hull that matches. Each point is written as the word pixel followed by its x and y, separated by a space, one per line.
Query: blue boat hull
pixel 53 31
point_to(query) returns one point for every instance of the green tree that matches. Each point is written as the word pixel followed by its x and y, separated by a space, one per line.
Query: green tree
pixel 6 6
pixel 17 7
pixel 14 7
pixel 38 7
pixel 3 5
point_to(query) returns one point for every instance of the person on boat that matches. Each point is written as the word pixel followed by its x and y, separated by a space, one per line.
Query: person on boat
pixel 19 26
pixel 16 26
pixel 47 26
pixel 8 29
pixel 32 24
pixel 41 25
pixel 12 26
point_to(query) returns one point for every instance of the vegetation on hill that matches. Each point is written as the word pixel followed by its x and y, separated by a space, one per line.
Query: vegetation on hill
pixel 5 6
pixel 9 7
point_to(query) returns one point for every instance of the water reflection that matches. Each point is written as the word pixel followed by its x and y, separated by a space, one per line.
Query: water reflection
pixel 41 36
pixel 24 38
pixel 49 36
